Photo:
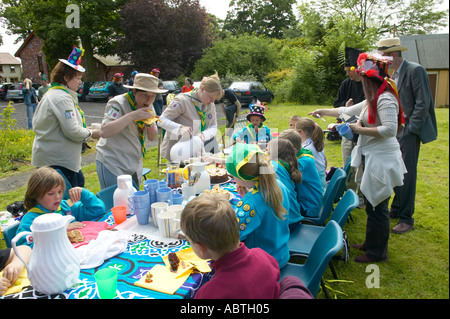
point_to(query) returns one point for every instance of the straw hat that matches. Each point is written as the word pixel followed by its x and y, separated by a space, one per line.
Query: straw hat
pixel 390 45
pixel 146 82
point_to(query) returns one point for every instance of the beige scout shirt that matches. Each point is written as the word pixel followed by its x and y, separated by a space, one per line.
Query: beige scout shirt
pixel 182 111
pixel 121 153
pixel 59 131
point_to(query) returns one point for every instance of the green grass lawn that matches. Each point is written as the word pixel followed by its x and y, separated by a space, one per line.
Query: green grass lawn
pixel 418 264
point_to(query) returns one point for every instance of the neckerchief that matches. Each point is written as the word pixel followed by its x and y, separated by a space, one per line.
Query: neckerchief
pixel 38 210
pixel 304 152
pixel 251 128
pixel 201 114
pixel 140 124
pixel 284 164
pixel 60 87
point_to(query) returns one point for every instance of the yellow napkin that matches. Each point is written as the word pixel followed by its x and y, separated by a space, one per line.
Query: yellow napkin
pixel 163 280
pixel 20 283
pixel 188 255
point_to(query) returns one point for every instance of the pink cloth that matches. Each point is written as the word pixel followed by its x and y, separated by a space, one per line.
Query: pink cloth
pixel 90 231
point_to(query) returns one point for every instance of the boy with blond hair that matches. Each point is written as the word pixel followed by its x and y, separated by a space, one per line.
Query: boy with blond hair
pixel 209 223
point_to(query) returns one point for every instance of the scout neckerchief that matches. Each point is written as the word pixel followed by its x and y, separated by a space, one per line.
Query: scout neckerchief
pixel 201 114
pixel 60 87
pixel 305 152
pixel 38 210
pixel 250 127
pixel 140 124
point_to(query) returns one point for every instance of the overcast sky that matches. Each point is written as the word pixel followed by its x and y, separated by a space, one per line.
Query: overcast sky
pixel 217 7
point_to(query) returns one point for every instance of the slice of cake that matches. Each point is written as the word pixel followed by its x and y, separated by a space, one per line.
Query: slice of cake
pixel 217 175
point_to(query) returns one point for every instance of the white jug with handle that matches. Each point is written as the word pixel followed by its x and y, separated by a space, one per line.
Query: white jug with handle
pixel 53 266
pixel 124 189
pixel 204 181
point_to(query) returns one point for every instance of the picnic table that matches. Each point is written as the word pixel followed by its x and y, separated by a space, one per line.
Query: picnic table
pixel 143 252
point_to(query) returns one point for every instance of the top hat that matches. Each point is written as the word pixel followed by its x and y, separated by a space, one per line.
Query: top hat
pixel 256 109
pixel 74 59
pixel 146 82
pixel 351 56
pixel 390 45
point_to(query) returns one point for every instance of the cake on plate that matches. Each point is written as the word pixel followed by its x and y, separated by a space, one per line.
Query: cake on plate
pixel 218 175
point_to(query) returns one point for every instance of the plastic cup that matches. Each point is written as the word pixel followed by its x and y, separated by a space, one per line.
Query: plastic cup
pixel 106 280
pixel 164 194
pixel 345 131
pixel 142 215
pixel 177 199
pixel 119 213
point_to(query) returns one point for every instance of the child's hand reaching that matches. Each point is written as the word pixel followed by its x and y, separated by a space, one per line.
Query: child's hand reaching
pixel 75 194
pixel 4 285
pixel 75 225
pixel 241 190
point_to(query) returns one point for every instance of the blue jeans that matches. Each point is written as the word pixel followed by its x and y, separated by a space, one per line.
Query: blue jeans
pixel 31 108
pixel 158 105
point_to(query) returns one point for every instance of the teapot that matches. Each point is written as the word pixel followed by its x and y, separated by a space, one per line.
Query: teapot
pixel 53 266
pixel 204 181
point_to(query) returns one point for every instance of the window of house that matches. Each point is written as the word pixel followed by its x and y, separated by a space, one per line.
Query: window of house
pixel 13 69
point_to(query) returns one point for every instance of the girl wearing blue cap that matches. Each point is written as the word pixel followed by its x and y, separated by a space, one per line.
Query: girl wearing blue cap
pixel 262 212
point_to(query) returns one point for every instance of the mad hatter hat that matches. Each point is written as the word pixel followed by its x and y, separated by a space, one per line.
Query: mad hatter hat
pixel 74 59
pixel 240 155
pixel 390 45
pixel 146 82
pixel 256 109
pixel 351 56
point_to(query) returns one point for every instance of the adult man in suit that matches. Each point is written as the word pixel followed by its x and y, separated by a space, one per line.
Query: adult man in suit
pixel 415 97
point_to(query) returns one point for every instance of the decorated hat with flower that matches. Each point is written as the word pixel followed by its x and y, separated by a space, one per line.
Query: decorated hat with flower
pixel 375 66
pixel 256 108
pixel 74 59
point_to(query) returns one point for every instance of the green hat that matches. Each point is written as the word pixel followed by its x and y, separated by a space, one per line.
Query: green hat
pixel 240 155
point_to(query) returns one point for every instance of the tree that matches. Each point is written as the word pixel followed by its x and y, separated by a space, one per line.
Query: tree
pixel 239 55
pixel 408 17
pixel 171 35
pixel 98 26
pixel 261 17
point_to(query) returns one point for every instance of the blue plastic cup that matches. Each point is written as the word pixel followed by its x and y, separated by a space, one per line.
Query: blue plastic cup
pixel 142 214
pixel 177 199
pixel 164 194
pixel 345 131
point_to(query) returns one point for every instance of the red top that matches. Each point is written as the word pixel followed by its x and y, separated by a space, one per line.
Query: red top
pixel 185 89
pixel 243 274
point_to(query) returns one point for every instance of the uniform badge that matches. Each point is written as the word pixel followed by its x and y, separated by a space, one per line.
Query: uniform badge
pixel 70 114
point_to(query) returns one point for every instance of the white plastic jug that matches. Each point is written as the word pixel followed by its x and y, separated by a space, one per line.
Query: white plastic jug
pixel 53 266
pixel 124 190
pixel 204 182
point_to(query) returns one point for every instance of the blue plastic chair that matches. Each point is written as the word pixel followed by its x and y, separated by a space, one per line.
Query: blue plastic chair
pixel 68 185
pixel 329 242
pixel 302 238
pixel 9 233
pixel 145 171
pixel 107 195
pixel 343 183
pixel 328 199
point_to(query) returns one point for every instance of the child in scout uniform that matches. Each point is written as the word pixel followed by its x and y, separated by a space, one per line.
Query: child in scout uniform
pixel 255 131
pixel 192 114
pixel 209 223
pixel 309 191
pixel 129 121
pixel 44 195
pixel 284 161
pixel 262 212
pixel 313 140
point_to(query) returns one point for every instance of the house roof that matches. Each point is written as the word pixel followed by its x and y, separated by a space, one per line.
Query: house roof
pixel 7 58
pixel 431 51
